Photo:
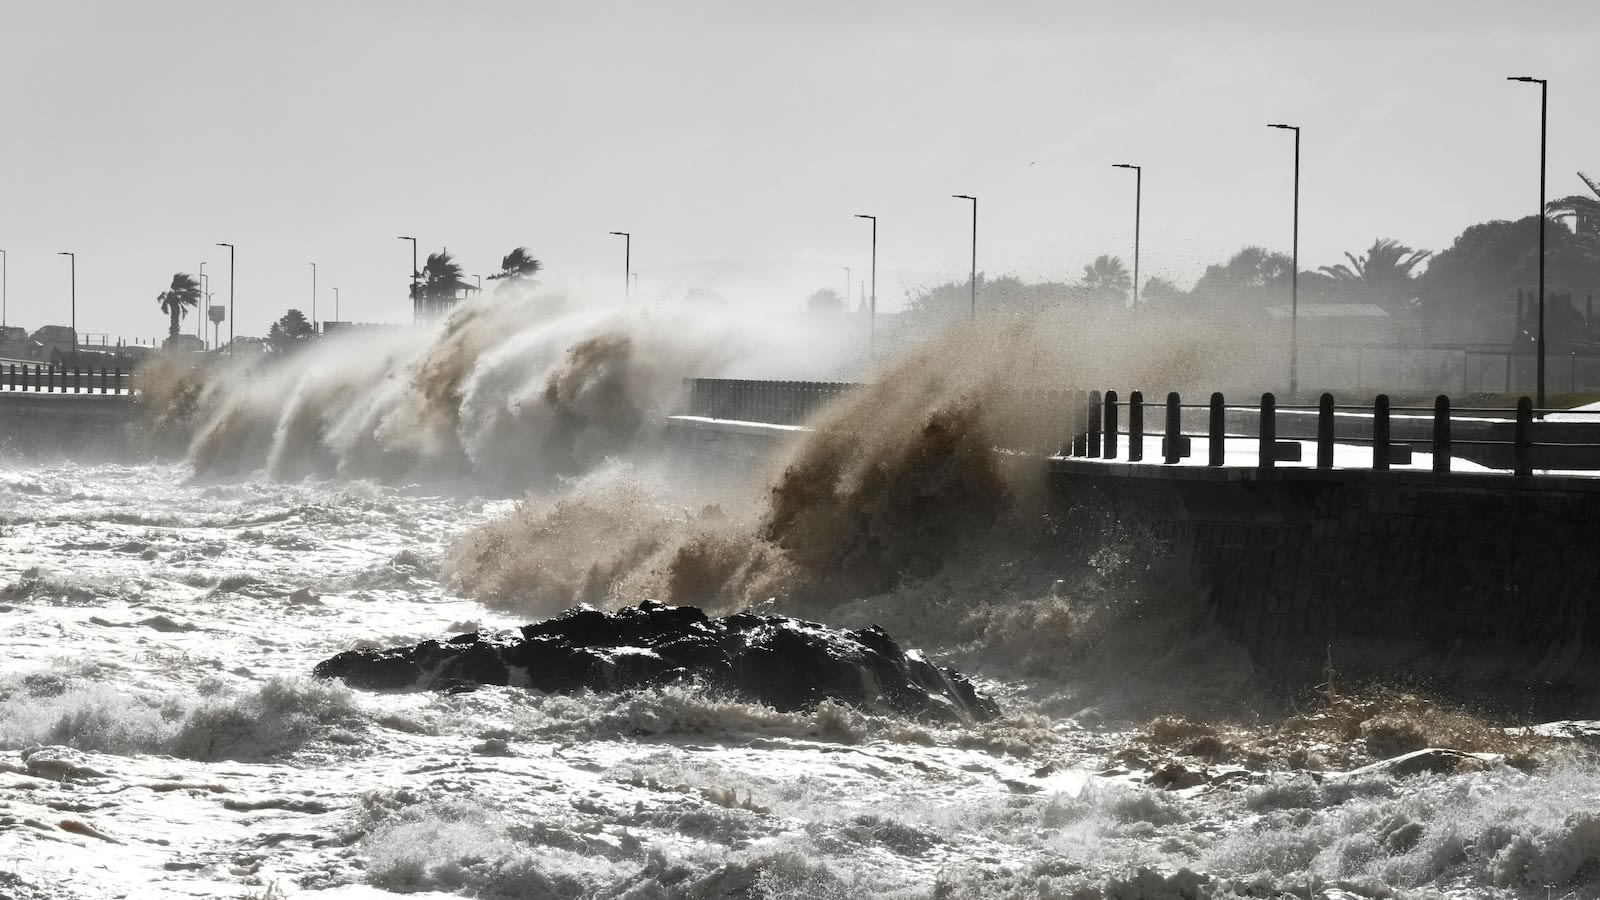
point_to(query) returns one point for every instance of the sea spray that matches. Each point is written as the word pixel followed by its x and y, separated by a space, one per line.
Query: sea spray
pixel 516 392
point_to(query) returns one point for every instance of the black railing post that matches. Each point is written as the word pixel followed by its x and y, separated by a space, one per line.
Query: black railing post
pixel 1111 425
pixel 1380 432
pixel 1325 431
pixel 1080 431
pixel 1522 444
pixel 121 387
pixel 1219 431
pixel 1268 432
pixel 1094 424
pixel 1441 433
pixel 50 379
pixel 77 379
pixel 1135 427
pixel 1174 428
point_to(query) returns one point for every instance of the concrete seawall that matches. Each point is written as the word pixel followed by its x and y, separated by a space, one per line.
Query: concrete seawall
pixel 1466 580
pixel 85 426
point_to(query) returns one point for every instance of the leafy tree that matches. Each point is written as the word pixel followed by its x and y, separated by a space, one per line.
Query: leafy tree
pixel 516 267
pixel 1106 281
pixel 1469 290
pixel 1161 293
pixel 289 331
pixel 1251 280
pixel 441 282
pixel 826 300
pixel 176 300
pixel 1382 275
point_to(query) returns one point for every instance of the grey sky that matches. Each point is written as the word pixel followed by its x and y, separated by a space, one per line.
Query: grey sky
pixel 736 140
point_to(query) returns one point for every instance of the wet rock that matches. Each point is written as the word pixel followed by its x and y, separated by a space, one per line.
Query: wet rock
pixel 1176 777
pixel 1433 760
pixel 304 597
pixel 785 663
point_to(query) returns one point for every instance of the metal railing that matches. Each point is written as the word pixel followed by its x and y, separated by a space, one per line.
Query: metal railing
pixel 43 378
pixel 1520 440
pixel 1087 424
pixel 772 402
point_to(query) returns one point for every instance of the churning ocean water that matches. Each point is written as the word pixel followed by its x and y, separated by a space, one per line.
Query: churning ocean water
pixel 161 734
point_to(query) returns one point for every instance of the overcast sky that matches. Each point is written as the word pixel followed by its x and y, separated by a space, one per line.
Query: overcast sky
pixel 736 140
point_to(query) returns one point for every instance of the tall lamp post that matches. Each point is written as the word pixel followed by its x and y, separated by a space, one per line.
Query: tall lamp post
pixel 336 305
pixel 73 257
pixel 1138 196
pixel 200 321
pixel 1544 118
pixel 231 319
pixel 627 264
pixel 1294 274
pixel 974 311
pixel 4 264
pixel 415 299
pixel 872 298
pixel 314 298
pixel 205 297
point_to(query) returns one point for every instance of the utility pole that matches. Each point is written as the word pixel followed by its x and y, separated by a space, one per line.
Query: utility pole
pixel 74 259
pixel 1544 121
pixel 231 318
pixel 416 298
pixel 872 299
pixel 1294 274
pixel 974 312
pixel 1138 191
pixel 627 264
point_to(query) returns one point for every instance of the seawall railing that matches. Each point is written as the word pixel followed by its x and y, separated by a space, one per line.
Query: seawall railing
pixel 1092 425
pixel 1520 440
pixel 43 378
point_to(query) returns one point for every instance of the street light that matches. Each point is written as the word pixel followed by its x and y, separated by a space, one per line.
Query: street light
pixel 231 319
pixel 199 321
pixel 627 264
pixel 1294 273
pixel 313 298
pixel 4 264
pixel 74 259
pixel 1138 192
pixel 336 305
pixel 415 298
pixel 974 313
pixel 872 298
pixel 205 298
pixel 1544 119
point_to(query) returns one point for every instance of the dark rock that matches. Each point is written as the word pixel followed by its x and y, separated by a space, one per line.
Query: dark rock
pixel 785 663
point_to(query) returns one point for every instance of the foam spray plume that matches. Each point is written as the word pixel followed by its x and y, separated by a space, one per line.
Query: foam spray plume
pixel 515 391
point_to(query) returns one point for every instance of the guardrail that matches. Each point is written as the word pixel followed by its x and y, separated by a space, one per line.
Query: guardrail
pixel 1087 424
pixel 50 379
pixel 1519 440
pixel 772 402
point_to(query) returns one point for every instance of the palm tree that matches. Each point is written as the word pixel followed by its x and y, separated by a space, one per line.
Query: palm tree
pixel 1382 274
pixel 441 282
pixel 176 300
pixel 518 266
pixel 1585 210
pixel 1106 279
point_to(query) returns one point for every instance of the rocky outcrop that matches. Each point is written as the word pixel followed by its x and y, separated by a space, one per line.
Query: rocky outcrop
pixel 785 663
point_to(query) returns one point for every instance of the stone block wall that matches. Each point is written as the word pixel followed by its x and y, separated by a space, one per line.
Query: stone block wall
pixel 1484 581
